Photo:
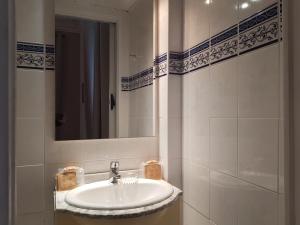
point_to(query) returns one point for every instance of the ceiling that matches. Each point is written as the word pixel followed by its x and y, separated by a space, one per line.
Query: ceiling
pixel 116 4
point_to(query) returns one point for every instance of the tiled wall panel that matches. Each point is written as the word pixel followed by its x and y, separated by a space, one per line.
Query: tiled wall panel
pixel 231 106
pixel 30 112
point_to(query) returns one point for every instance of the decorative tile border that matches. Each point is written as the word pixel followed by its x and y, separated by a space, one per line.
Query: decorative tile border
pixel 224 45
pixel 259 30
pixel 139 80
pixel 256 31
pixel 146 77
pixel 161 65
pixel 179 62
pixel 35 56
pixel 199 56
pixel 30 55
pixel 50 57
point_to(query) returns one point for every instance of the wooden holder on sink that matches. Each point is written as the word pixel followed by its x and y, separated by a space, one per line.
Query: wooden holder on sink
pixel 66 179
pixel 152 170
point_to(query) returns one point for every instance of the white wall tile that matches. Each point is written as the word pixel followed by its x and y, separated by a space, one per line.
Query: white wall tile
pixel 163 97
pixel 174 96
pixel 223 145
pixel 90 178
pixel 97 166
pixel 29 141
pixel 67 151
pixel 174 137
pixel 29 21
pixel 186 101
pixel 236 202
pixel 30 189
pixel 186 24
pixel 30 86
pixel 163 26
pixel 163 145
pixel 175 172
pixel 199 140
pixel 196 187
pixel 186 137
pixel 192 217
pixel 224 199
pixel 88 150
pixel 252 7
pixel 30 219
pixel 282 210
pixel 257 206
pixel 258 151
pixel 49 217
pixel 199 93
pixel 176 25
pixel 223 14
pixel 101 166
pixel 223 91
pixel 258 85
pixel 49 22
pixel 198 21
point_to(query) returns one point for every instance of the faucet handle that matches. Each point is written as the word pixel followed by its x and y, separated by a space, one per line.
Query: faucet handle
pixel 114 165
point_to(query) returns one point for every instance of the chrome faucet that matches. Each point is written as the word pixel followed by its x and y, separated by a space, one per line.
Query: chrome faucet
pixel 114 172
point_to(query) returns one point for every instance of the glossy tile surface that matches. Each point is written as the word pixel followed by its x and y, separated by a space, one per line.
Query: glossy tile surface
pixel 223 91
pixel 258 77
pixel 225 9
pixel 239 93
pixel 29 93
pixel 198 21
pixel 192 217
pixel 30 189
pixel 224 199
pixel 196 187
pixel 29 141
pixel 258 151
pixel 223 145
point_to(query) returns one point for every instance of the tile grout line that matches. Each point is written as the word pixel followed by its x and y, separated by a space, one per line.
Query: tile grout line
pixel 230 175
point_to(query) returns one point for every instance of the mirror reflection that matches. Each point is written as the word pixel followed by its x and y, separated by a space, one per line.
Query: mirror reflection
pixel 104 89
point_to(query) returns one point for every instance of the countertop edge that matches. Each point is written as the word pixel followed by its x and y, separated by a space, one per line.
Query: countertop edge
pixel 62 206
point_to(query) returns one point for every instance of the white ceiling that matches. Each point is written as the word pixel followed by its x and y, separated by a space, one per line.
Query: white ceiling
pixel 117 4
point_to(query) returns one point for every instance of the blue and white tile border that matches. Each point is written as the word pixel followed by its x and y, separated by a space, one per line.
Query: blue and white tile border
pixel 146 77
pixel 30 55
pixel 50 57
pixel 224 45
pixel 199 56
pixel 179 62
pixel 259 30
pixel 136 81
pixel 161 65
pixel 35 56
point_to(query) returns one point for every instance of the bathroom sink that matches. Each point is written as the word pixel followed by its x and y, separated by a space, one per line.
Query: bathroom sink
pixel 104 195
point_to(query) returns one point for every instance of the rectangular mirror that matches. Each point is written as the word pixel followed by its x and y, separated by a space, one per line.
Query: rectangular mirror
pixel 95 99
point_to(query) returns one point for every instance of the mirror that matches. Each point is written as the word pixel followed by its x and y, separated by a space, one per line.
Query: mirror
pixel 99 92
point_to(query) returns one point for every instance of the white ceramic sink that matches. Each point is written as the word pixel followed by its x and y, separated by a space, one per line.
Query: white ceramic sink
pixel 104 195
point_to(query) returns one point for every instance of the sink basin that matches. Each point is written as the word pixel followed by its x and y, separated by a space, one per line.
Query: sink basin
pixel 104 195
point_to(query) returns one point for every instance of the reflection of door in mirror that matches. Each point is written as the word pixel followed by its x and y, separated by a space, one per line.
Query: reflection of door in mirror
pixel 85 79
